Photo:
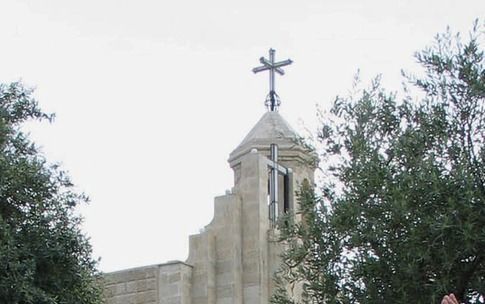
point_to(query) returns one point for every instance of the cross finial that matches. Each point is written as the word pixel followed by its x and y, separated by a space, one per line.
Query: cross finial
pixel 272 100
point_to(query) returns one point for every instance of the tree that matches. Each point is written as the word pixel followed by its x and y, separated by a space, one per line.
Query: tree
pixel 401 216
pixel 44 257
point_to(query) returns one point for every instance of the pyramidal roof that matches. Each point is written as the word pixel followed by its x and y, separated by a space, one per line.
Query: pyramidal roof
pixel 271 128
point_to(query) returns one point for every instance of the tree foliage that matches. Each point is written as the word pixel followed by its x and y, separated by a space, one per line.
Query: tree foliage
pixel 401 216
pixel 44 257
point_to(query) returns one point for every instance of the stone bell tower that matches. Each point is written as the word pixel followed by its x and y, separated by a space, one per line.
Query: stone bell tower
pixel 232 261
pixel 235 257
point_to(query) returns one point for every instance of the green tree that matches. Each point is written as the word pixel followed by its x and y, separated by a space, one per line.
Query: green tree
pixel 401 216
pixel 44 257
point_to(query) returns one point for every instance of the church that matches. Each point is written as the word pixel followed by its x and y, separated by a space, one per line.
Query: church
pixel 234 258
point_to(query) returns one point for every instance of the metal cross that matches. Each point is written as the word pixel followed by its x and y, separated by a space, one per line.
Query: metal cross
pixel 272 101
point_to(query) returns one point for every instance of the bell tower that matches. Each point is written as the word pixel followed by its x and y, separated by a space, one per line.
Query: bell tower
pixel 235 257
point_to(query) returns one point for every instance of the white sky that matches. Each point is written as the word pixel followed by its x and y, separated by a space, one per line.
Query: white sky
pixel 152 96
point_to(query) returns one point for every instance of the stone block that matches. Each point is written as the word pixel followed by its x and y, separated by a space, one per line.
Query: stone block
pixel 171 300
pixel 225 279
pixel 131 287
pixel 168 290
pixel 146 297
pixel 225 291
pixel 225 251
pixel 251 294
pixel 174 277
pixel 119 288
pixel 199 289
pixel 225 301
pixel 224 266
pixel 150 284
pixel 141 285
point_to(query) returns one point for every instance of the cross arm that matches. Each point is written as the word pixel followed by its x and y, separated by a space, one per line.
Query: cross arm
pixel 265 67
pixel 265 62
pixel 275 65
pixel 268 63
pixel 282 63
pixel 260 69
pixel 279 168
pixel 279 71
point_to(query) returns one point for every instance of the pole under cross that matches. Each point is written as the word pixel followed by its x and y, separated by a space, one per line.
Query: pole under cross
pixel 272 100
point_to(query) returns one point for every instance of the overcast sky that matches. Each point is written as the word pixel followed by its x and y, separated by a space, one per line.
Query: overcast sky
pixel 152 96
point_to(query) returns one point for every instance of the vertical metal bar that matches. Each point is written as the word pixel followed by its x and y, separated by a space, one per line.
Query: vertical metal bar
pixel 270 196
pixel 274 183
pixel 271 70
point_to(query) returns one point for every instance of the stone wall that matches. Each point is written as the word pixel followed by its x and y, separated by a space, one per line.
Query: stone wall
pixel 174 283
pixel 167 283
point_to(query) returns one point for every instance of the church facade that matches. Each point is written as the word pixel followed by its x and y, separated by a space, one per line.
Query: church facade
pixel 233 260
